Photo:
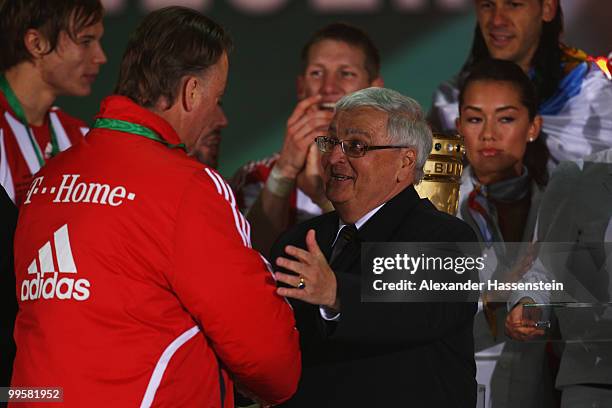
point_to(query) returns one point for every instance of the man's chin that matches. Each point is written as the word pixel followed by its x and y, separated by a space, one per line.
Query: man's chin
pixel 506 54
pixel 337 196
pixel 79 92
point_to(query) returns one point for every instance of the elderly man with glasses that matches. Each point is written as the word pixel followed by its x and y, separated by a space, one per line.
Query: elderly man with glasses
pixel 374 354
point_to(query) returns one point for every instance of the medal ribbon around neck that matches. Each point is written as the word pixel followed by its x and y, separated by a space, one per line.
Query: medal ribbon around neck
pixel 13 102
pixel 135 129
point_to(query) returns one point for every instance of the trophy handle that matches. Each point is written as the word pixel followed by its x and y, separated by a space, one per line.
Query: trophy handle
pixel 443 171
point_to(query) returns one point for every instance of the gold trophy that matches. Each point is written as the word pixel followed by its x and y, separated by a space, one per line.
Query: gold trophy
pixel 443 173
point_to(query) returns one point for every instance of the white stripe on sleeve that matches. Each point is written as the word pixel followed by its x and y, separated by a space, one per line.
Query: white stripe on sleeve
pixel 162 364
pixel 226 190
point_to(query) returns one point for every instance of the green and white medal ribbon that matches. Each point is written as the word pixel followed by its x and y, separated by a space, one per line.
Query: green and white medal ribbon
pixel 13 102
pixel 135 129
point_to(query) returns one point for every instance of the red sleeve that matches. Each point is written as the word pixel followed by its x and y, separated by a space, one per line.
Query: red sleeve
pixel 228 289
pixel 252 174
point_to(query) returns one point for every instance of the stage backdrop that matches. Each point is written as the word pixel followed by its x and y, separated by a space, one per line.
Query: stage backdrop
pixel 422 42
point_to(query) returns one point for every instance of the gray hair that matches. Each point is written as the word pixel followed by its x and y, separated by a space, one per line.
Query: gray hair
pixel 406 124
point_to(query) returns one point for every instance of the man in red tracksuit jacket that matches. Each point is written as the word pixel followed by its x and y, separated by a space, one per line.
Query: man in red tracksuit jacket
pixel 136 282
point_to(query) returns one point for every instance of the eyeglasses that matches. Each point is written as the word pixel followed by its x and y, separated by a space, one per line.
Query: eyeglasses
pixel 352 148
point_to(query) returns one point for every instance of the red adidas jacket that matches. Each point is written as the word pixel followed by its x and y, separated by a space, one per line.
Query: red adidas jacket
pixel 136 282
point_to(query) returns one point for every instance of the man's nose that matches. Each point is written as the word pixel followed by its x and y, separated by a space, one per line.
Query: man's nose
pixel 223 122
pixel 330 85
pixel 99 56
pixel 336 155
pixel 498 17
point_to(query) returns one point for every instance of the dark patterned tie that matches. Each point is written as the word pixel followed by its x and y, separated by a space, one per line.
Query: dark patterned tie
pixel 346 235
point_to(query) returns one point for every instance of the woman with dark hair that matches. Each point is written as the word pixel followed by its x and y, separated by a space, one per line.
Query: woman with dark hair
pixel 499 198
pixel 499 122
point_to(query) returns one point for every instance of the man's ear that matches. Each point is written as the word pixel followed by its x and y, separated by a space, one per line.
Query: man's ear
pixel 190 92
pixel 300 87
pixel 36 44
pixel 549 10
pixel 378 82
pixel 406 171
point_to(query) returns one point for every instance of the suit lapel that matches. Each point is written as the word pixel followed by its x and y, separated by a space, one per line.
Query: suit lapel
pixel 383 225
pixel 348 256
pixel 326 232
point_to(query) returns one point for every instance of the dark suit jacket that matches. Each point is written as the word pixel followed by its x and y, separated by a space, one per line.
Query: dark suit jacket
pixel 385 354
